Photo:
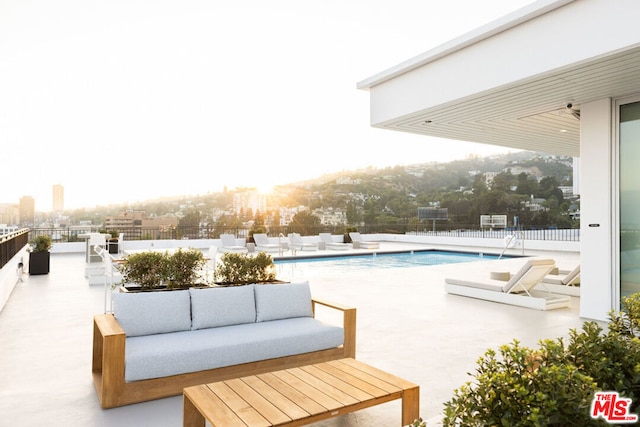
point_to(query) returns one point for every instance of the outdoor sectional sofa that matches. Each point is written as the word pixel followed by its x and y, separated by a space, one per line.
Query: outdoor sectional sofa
pixel 157 343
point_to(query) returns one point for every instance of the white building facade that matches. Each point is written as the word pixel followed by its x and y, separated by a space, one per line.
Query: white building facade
pixel 558 76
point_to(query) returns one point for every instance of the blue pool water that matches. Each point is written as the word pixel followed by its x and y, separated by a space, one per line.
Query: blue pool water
pixel 384 260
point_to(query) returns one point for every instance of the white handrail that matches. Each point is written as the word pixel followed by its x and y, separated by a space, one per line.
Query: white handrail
pixel 516 237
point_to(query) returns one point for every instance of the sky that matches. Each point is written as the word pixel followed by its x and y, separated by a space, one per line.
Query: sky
pixel 129 100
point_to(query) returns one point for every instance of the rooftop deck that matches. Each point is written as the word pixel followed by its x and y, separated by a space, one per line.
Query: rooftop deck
pixel 407 325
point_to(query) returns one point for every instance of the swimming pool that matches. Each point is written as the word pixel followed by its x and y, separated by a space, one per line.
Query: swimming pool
pixel 327 264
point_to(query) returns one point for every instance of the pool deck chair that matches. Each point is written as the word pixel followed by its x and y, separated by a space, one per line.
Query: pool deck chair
pixel 518 290
pixel 262 243
pixel 564 284
pixel 229 244
pixel 297 244
pixel 330 244
pixel 358 241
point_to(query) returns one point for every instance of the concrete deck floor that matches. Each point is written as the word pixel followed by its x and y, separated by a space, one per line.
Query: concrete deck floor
pixel 407 325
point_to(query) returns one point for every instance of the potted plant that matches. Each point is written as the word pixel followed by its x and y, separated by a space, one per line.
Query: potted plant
pixel 256 229
pixel 113 241
pixel 39 258
pixel 152 270
pixel 346 238
pixel 241 269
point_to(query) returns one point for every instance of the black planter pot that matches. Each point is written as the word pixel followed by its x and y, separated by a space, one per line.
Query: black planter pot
pixel 39 262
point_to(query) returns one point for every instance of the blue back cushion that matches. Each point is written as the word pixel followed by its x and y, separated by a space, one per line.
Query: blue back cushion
pixel 148 313
pixel 283 301
pixel 214 307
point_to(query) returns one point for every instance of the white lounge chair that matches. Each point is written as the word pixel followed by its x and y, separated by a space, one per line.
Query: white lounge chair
pixel 330 244
pixel 209 267
pixel 297 244
pixel 111 276
pixel 262 243
pixel 518 290
pixel 563 284
pixel 229 244
pixel 361 243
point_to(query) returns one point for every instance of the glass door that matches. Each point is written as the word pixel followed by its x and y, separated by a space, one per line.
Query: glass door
pixel 629 197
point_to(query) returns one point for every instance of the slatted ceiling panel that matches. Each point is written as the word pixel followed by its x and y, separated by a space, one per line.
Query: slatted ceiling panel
pixel 529 114
pixel 510 134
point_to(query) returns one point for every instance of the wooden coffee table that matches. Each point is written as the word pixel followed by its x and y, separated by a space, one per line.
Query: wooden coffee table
pixel 298 396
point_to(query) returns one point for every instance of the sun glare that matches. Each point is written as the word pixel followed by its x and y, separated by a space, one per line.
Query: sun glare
pixel 264 188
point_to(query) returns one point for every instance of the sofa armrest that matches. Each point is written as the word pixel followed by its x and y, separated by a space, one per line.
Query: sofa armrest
pixel 348 323
pixel 108 358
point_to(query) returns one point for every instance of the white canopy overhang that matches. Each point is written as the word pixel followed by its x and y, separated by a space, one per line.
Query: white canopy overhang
pixel 509 82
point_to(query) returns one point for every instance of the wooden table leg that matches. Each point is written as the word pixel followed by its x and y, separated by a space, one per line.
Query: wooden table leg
pixel 191 416
pixel 410 405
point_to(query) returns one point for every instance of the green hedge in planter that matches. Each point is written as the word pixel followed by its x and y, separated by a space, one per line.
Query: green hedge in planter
pixel 555 384
pixel 243 269
pixel 152 269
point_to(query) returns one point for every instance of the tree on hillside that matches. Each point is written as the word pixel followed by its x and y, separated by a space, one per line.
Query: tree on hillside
pixel 548 188
pixel 190 224
pixel 352 213
pixel 227 224
pixel 527 185
pixel 370 211
pixel 504 181
pixel 305 223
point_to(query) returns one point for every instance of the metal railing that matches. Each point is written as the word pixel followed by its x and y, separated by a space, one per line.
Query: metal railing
pixel 551 234
pixel 11 244
pixel 182 232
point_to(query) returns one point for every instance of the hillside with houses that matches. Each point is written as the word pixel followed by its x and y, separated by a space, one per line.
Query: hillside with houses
pixel 530 189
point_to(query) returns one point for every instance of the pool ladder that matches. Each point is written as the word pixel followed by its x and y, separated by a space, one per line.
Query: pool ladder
pixel 280 250
pixel 517 237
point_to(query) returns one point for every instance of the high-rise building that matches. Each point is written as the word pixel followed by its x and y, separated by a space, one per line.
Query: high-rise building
pixel 27 210
pixel 58 198
pixel 9 214
pixel 249 199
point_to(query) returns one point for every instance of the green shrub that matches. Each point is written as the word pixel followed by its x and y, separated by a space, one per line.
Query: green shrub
pixel 611 359
pixel 627 321
pixel 183 267
pixel 151 269
pixel 555 384
pixel 243 269
pixel 147 269
pixel 523 387
pixel 42 243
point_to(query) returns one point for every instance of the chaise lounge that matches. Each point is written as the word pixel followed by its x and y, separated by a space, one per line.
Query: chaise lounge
pixel 229 244
pixel 296 243
pixel 262 243
pixel 517 290
pixel 330 244
pixel 564 284
pixel 359 242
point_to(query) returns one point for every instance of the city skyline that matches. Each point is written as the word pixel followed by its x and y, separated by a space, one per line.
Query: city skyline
pixel 135 101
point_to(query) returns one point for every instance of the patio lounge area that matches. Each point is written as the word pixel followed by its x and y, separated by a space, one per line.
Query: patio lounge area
pixel 407 325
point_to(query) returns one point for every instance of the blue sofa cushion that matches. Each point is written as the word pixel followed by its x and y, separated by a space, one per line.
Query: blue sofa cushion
pixel 214 307
pixel 156 356
pixel 283 301
pixel 146 313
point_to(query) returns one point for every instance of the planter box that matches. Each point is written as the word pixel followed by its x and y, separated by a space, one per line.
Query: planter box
pixel 113 246
pixel 137 288
pixel 39 262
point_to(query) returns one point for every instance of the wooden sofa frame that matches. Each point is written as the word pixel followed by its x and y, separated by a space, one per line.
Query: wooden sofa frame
pixel 109 360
